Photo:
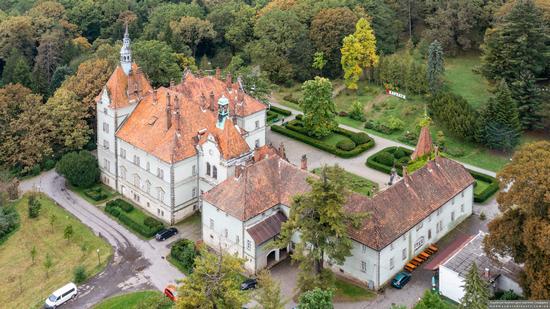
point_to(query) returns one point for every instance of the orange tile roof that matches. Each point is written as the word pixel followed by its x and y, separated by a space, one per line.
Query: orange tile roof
pixel 202 87
pixel 125 88
pixel 424 145
pixel 146 128
pixel 394 211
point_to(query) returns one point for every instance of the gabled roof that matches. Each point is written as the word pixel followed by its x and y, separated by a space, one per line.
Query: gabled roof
pixel 124 88
pixel 202 86
pixel 146 128
pixel 267 228
pixel 394 211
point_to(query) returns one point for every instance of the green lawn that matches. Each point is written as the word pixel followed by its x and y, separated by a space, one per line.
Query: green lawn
pixel 480 186
pixel 26 285
pixel 109 193
pixel 131 300
pixel 357 183
pixel 138 217
pixel 349 292
pixel 462 80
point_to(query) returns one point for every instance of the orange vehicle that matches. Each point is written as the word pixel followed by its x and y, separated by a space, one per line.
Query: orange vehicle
pixel 171 292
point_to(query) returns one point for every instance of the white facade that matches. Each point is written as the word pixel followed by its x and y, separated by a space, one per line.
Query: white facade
pixel 371 267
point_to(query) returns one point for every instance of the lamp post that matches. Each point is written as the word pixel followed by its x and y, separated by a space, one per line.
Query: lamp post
pixel 98 258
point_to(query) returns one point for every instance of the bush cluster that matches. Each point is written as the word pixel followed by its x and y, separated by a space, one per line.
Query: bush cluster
pixel 379 127
pixel 9 221
pixel 360 138
pixel 97 194
pixel 79 274
pixel 184 252
pixel 119 209
pixel 291 98
pixel 409 137
pixel 80 168
pixel 346 145
pixel 282 111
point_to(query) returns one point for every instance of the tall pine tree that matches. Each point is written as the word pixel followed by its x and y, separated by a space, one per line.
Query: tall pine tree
pixel 436 66
pixel 476 293
pixel 515 46
pixel 502 126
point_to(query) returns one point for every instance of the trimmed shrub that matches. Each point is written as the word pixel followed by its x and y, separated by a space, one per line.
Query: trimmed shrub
pixel 96 194
pixel 272 116
pixel 489 191
pixel 299 117
pixel 152 222
pixel 282 111
pixel 360 138
pixel 377 126
pixel 79 274
pixel 122 204
pixel 399 153
pixel 385 158
pixel 184 252
pixel 345 144
pixel 140 228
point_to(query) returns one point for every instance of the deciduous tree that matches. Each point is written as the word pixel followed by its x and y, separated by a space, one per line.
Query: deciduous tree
pixel 476 292
pixel 17 70
pixel 191 31
pixel 358 53
pixel 522 230
pixel 214 283
pixel 80 168
pixel 268 295
pixel 323 224
pixel 16 33
pixel 316 299
pixel 431 300
pixel 158 61
pixel 318 107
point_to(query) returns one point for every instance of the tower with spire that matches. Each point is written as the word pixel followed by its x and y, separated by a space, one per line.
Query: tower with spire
pixel 126 53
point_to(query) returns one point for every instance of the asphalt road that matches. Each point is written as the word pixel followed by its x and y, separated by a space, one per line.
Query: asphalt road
pixel 137 264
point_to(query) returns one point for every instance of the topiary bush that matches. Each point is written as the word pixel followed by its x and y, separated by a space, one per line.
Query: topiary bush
pixel 360 138
pixel 386 158
pixel 345 144
pixel 122 204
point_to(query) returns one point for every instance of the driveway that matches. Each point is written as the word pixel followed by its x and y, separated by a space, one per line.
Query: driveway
pixel 137 264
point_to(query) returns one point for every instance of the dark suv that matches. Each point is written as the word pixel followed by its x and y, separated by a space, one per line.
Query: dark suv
pixel 166 233
pixel 249 284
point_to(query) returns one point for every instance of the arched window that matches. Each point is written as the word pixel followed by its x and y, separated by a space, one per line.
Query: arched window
pixel 214 172
pixel 207 168
pixel 123 172
pixel 147 186
pixel 137 181
pixel 160 194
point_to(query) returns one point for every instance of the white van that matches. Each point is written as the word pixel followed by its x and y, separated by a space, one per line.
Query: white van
pixel 61 295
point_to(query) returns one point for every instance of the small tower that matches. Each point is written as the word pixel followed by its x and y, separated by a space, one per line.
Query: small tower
pixel 223 111
pixel 126 53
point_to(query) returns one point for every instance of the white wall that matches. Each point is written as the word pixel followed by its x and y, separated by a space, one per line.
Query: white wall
pixel 254 133
pixel 450 284
pixel 352 264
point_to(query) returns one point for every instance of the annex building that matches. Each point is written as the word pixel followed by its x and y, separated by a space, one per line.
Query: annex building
pixel 162 148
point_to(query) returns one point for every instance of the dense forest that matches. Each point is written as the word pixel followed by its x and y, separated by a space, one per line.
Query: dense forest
pixel 55 56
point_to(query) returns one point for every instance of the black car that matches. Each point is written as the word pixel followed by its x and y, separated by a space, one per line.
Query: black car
pixel 166 233
pixel 249 284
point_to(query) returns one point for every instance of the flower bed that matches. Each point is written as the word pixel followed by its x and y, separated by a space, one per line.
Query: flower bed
pixel 133 218
pixel 484 187
pixel 295 129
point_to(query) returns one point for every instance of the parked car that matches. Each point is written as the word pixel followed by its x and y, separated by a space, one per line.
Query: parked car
pixel 166 233
pixel 61 296
pixel 401 279
pixel 171 292
pixel 249 284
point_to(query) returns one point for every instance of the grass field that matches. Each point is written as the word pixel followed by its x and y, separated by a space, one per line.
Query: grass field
pixel 480 186
pixel 24 285
pixel 462 80
pixel 348 292
pixel 130 300
pixel 357 183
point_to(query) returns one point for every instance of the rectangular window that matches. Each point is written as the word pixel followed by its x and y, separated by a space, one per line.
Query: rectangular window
pixel 418 227
pixel 438 211
pixel 211 224
pixel 214 172
pixel 136 160
pixel 364 248
pixel 404 237
pixel 107 165
pixel 248 245
pixel 257 143
pixel 225 232
pixel 105 127
pixel 194 170
pixel 160 173
pixel 453 201
pixel 237 239
pixel 404 254
pixel 257 124
pixel 106 144
pixel 452 216
pixel 462 193
pixel 391 246
pixel 364 266
pixel 147 166
pixel 123 153
pixel 391 263
pixel 194 193
pixel 462 208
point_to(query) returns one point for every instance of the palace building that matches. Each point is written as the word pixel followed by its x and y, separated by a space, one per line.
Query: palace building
pixel 162 148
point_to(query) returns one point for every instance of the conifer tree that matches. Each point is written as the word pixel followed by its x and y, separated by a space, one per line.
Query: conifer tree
pixel 526 93
pixel 436 66
pixel 476 293
pixel 502 126
pixel 358 53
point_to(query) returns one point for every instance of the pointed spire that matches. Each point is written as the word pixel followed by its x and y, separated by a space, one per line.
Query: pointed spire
pixel 425 144
pixel 126 52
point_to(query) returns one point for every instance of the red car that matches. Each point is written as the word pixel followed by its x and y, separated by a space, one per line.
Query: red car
pixel 171 292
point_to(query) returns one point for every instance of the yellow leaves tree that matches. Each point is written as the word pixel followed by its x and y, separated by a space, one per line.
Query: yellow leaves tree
pixel 358 53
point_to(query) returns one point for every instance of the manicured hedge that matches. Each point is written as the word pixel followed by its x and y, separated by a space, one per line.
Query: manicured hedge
pixel 147 228
pixel 324 146
pixel 373 162
pixel 272 117
pixel 97 194
pixel 281 111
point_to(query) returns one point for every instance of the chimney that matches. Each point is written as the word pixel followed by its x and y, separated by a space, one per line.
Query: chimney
pixel 487 274
pixel 282 151
pixel 304 162
pixel 238 171
pixel 155 96
pixel 177 108
pixel 218 73
pixel 436 151
pixel 228 82
pixel 212 101
pixel 168 112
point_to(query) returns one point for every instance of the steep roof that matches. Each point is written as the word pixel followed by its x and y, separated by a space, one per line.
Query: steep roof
pixel 202 87
pixel 394 211
pixel 424 145
pixel 146 128
pixel 124 89
pixel 267 228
